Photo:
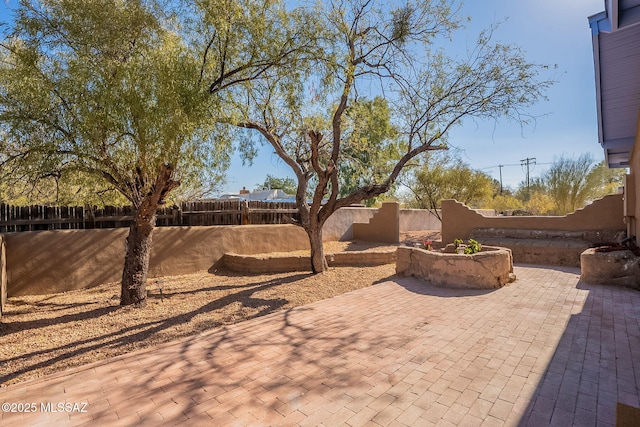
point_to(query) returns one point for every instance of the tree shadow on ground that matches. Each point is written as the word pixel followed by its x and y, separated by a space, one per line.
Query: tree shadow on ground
pixel 8 328
pixel 291 359
pixel 138 333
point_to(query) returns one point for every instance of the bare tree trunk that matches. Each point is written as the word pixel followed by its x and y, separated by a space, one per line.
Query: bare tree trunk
pixel 136 261
pixel 318 260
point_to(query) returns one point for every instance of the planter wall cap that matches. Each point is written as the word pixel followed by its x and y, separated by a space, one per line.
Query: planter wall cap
pixel 489 269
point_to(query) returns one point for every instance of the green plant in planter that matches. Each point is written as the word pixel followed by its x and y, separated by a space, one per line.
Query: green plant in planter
pixel 471 247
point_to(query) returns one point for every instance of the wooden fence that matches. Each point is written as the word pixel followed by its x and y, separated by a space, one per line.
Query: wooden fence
pixel 201 213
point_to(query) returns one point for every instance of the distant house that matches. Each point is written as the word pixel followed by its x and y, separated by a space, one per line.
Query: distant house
pixel 616 53
pixel 263 195
pixel 271 195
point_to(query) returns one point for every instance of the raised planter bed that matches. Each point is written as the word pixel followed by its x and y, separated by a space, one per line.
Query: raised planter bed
pixel 618 268
pixel 489 269
pixel 269 263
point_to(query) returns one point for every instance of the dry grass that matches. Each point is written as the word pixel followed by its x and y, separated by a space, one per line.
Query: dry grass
pixel 49 333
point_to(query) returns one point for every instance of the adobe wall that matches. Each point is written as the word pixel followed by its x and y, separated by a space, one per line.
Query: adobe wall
pixel 384 226
pixel 618 268
pixel 267 264
pixel 418 220
pixel 603 214
pixel 491 268
pixel 42 262
pixel 339 226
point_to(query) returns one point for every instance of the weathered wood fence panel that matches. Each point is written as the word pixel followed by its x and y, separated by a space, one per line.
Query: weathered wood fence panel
pixel 196 213
pixel 32 218
pixel 271 212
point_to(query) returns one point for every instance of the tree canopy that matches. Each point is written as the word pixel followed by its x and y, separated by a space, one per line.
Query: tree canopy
pixel 103 88
pixel 370 148
pixel 107 89
pixel 569 184
pixel 288 185
pixel 573 182
pixel 132 93
pixel 443 176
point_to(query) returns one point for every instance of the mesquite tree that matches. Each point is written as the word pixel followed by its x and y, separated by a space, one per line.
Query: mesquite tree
pixel 442 176
pixel 130 91
pixel 106 88
pixel 389 50
pixel 571 183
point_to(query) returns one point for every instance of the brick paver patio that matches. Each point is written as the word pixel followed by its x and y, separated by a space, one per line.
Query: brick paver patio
pixel 545 350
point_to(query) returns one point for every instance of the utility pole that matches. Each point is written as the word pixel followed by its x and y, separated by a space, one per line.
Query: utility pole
pixel 500 166
pixel 526 162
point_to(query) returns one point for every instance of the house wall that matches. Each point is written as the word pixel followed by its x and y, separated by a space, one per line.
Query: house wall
pixel 458 221
pixel 632 191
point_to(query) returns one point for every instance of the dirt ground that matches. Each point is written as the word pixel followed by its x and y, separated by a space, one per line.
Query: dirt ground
pixel 49 333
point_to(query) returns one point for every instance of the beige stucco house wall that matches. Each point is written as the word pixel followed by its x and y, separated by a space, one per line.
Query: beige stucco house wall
pixel 632 190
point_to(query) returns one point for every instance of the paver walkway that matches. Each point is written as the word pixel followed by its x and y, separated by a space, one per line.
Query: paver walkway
pixel 545 350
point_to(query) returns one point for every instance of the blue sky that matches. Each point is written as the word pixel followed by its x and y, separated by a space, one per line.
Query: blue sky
pixel 553 32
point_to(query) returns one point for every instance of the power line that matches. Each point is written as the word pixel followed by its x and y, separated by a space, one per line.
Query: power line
pixel 526 162
pixel 512 164
pixel 498 166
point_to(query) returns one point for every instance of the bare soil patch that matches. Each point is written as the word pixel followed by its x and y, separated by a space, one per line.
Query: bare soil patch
pixel 48 333
pixel 614 247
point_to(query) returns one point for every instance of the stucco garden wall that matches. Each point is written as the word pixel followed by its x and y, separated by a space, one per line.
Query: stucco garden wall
pixel 339 226
pixel 283 263
pixel 42 262
pixel 621 268
pixel 604 214
pixel 418 220
pixel 384 226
